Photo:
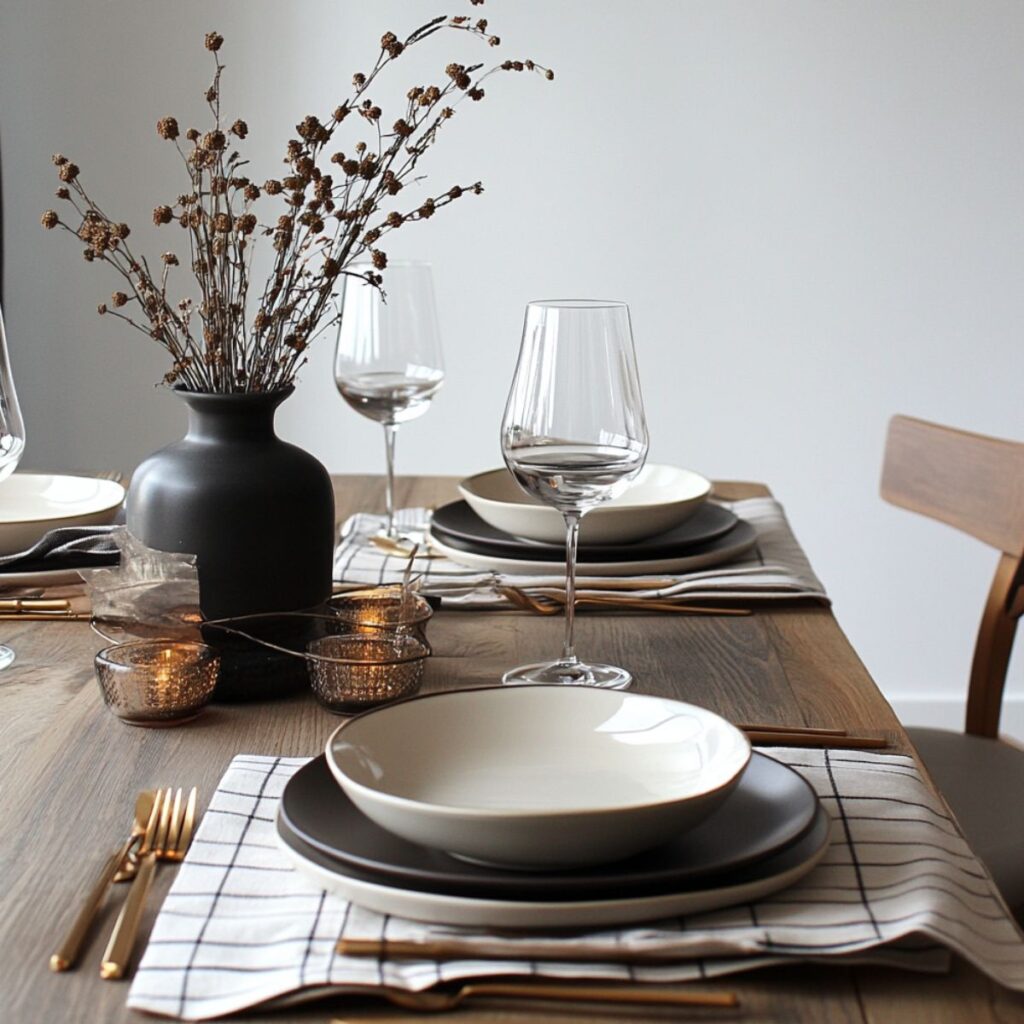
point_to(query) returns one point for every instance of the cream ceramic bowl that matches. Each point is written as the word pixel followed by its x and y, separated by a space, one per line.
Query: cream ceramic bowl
pixel 659 498
pixel 32 504
pixel 538 776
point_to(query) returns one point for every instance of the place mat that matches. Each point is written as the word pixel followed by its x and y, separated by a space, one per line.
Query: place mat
pixel 777 568
pixel 898 886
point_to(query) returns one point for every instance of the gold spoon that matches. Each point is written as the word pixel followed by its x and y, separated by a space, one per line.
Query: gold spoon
pixel 143 808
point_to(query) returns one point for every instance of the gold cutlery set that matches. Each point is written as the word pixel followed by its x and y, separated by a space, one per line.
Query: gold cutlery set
pixel 162 830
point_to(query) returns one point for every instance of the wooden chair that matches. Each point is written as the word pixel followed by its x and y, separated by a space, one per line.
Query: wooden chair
pixel 975 484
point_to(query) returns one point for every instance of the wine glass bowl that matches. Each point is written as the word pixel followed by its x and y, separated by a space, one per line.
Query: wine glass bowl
pixel 388 364
pixel 12 438
pixel 573 436
pixel 12 426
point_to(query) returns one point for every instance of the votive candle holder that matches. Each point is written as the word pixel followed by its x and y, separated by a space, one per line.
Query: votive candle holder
pixel 384 610
pixel 350 672
pixel 157 682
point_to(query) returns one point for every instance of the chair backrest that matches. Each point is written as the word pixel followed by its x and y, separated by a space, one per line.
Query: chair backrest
pixel 975 484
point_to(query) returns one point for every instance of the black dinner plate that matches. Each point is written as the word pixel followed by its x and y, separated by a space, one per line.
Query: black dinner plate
pixel 771 808
pixel 781 861
pixel 458 526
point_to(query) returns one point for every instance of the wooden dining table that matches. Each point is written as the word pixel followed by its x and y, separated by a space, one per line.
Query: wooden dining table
pixel 69 773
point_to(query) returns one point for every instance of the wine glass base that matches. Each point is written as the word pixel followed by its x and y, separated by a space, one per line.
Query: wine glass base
pixel 7 656
pixel 561 673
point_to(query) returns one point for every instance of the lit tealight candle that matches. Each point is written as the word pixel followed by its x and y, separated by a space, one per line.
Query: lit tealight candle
pixel 157 682
pixel 386 609
pixel 354 671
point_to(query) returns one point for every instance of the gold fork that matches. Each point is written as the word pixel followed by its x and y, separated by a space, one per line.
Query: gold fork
pixel 168 839
pixel 547 604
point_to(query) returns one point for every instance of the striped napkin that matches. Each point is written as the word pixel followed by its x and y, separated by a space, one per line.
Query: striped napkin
pixel 898 886
pixel 775 568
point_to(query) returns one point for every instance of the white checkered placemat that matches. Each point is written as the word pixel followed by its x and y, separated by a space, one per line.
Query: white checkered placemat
pixel 898 885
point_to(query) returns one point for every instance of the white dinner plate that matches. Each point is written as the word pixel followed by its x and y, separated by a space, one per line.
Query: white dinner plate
pixel 738 541
pixel 659 498
pixel 465 911
pixel 32 504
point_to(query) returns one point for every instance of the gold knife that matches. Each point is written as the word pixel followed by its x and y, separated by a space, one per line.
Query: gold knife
pixel 67 953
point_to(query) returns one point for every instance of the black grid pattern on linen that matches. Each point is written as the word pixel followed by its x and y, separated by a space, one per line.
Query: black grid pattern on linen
pixel 897 885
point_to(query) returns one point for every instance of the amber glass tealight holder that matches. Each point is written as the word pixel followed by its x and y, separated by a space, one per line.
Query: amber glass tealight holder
pixel 384 610
pixel 354 671
pixel 157 682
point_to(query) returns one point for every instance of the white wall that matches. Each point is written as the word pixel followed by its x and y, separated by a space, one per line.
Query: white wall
pixel 813 209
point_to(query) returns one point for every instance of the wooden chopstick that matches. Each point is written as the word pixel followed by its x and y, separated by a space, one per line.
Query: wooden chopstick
pixel 802 729
pixel 803 739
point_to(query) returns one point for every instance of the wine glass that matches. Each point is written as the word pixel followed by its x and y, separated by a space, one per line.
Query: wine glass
pixel 12 438
pixel 388 363
pixel 574 435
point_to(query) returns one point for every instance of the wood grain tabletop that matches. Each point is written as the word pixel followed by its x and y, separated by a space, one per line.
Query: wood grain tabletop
pixel 69 772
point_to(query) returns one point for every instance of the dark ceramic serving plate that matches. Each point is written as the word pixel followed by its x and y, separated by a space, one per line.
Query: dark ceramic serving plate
pixel 458 526
pixel 772 808
pixel 780 862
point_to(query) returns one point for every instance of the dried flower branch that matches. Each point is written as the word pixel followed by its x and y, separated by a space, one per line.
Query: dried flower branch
pixel 336 207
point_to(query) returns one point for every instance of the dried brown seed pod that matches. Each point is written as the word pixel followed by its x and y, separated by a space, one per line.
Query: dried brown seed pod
pixel 49 219
pixel 167 128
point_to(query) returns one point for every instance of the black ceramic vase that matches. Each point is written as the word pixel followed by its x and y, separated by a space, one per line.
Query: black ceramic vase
pixel 259 515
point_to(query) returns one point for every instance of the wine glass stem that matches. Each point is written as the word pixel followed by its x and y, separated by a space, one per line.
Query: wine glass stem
pixel 572 532
pixel 390 430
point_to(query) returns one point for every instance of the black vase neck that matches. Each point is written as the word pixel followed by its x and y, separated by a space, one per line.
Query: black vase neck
pixel 237 417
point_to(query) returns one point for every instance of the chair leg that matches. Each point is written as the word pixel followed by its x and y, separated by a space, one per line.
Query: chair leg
pixel 992 650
